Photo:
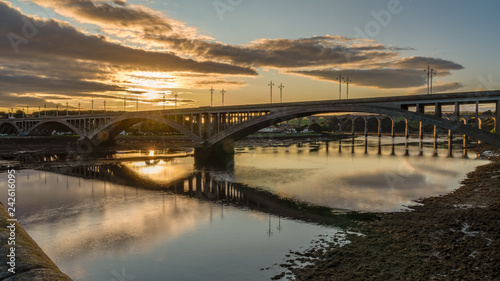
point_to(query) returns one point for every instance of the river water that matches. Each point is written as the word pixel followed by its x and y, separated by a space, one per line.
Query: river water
pixel 166 220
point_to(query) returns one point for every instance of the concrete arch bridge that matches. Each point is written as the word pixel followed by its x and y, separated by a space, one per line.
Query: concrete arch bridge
pixel 214 129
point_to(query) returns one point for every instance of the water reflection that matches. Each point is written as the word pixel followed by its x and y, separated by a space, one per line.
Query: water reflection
pixel 163 218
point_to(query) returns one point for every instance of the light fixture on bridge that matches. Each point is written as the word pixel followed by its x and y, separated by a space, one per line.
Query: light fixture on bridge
pixel 347 80
pixel 222 92
pixel 164 101
pixel 104 102
pixel 271 84
pixel 281 91
pixel 430 72
pixel 175 97
pixel 92 101
pixel 211 96
pixel 340 85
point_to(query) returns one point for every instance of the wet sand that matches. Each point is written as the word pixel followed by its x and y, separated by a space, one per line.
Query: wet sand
pixel 451 237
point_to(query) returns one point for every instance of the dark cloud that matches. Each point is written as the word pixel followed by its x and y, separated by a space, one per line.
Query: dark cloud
pixel 112 13
pixel 423 62
pixel 282 53
pixel 378 78
pixel 54 39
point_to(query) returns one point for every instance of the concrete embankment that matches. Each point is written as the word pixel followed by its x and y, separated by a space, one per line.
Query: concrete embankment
pixel 30 263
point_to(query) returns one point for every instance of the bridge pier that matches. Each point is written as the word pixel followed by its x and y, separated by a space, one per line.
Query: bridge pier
pixel 218 157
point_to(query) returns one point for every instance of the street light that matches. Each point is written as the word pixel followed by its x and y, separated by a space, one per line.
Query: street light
pixel 340 85
pixel 222 92
pixel 45 109
pixel 104 106
pixel 67 107
pixel 92 101
pixel 175 96
pixel 211 96
pixel 430 72
pixel 79 112
pixel 39 112
pixel 271 84
pixel 57 110
pixel 347 80
pixel 281 91
pixel 164 101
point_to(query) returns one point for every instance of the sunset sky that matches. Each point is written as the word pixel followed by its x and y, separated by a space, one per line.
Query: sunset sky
pixel 58 51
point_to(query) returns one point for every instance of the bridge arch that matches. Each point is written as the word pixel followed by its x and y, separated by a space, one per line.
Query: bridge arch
pixel 245 128
pixel 44 128
pixel 116 125
pixel 9 128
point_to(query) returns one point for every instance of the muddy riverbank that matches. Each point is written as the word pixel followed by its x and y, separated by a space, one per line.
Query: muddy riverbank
pixel 451 237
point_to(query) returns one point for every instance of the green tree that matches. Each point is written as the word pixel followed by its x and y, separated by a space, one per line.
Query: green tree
pixel 316 128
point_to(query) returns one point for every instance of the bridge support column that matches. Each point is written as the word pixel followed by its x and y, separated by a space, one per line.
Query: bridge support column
pixel 393 128
pixel 420 130
pixel 218 157
pixel 379 127
pixel 407 129
pixel 366 127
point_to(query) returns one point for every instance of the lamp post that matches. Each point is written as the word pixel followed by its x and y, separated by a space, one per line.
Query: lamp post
pixel 39 113
pixel 79 111
pixel 222 92
pixel 281 91
pixel 271 84
pixel 211 96
pixel 104 102
pixel 92 101
pixel 164 101
pixel 45 109
pixel 57 110
pixel 347 80
pixel 27 110
pixel 430 72
pixel 67 107
pixel 136 103
pixel 175 97
pixel 124 103
pixel 340 85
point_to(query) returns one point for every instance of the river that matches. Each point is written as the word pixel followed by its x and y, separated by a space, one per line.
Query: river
pixel 164 219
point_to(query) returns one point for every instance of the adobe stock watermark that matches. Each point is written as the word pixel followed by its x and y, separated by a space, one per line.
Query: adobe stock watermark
pixel 487 83
pixel 381 19
pixel 28 31
pixel 222 7
pixel 121 276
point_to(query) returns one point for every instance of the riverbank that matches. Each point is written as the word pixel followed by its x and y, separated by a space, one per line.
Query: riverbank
pixel 27 262
pixel 451 237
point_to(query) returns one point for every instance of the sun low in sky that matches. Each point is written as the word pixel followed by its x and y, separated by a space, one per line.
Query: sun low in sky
pixel 55 52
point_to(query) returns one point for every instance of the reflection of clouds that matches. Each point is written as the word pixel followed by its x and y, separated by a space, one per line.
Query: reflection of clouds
pixel 382 180
pixel 115 225
pixel 253 175
pixel 353 181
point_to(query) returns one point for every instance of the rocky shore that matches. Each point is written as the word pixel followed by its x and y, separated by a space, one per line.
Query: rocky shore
pixel 451 237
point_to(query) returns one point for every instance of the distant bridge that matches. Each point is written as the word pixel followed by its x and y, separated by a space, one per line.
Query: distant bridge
pixel 213 127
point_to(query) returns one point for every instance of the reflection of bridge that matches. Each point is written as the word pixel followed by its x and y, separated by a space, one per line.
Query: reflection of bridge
pixel 212 127
pixel 207 187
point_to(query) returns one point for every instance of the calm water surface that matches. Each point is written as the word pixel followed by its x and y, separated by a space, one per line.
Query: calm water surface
pixel 165 220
